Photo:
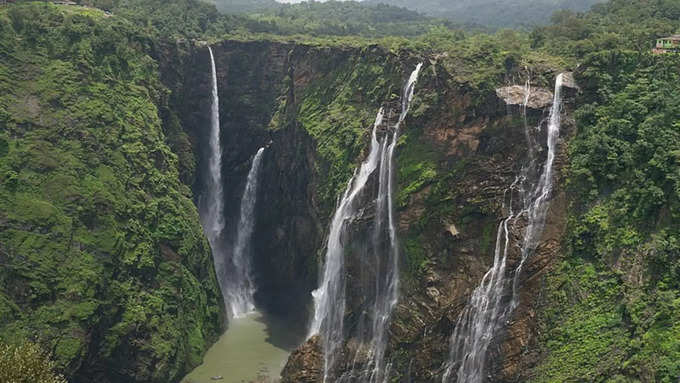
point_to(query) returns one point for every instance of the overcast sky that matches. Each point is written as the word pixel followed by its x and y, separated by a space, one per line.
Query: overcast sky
pixel 300 1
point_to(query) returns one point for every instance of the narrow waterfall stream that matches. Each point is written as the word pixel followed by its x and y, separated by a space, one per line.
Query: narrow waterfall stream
pixel 211 204
pixel 232 267
pixel 255 346
pixel 240 287
pixel 330 297
pixel 486 311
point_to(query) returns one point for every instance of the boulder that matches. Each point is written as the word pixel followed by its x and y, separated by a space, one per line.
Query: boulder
pixel 538 99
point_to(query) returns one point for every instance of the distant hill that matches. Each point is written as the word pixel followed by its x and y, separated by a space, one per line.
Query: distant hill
pixel 244 6
pixel 492 13
pixel 342 18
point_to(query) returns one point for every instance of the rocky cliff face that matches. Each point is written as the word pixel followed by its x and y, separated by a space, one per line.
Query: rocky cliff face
pixel 449 222
pixel 461 149
pixel 312 109
pixel 454 222
pixel 253 89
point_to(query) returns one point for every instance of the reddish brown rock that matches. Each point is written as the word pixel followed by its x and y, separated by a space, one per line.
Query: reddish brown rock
pixel 305 364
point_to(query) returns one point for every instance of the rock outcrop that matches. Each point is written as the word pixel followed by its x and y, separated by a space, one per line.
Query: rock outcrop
pixel 533 98
pixel 305 364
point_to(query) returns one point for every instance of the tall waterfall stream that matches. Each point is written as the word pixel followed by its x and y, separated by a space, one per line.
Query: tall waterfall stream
pixel 486 311
pixel 255 347
pixel 330 297
pixel 240 289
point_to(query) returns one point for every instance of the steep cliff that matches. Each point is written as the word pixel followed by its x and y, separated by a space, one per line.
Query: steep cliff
pixel 461 148
pixel 309 106
pixel 103 260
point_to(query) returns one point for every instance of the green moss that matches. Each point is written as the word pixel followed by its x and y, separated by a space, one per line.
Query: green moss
pixel 488 237
pixel 417 167
pixel 338 111
pixel 91 203
pixel 68 348
pixel 416 257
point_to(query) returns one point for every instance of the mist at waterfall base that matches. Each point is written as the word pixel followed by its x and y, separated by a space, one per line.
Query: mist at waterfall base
pixel 376 249
pixel 255 346
pixel 526 200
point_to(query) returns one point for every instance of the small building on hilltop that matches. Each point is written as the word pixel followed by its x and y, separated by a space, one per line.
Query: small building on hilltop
pixel 669 44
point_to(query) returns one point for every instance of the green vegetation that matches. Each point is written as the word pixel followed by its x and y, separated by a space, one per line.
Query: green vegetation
pixel 102 253
pixel 244 6
pixel 197 19
pixel 492 13
pixel 27 363
pixel 613 304
pixel 104 262
pixel 345 18
pixel 339 109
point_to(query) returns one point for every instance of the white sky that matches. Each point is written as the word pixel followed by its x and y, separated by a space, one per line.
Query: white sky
pixel 300 1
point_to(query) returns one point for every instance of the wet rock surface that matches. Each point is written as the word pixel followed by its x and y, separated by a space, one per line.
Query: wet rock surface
pixel 305 364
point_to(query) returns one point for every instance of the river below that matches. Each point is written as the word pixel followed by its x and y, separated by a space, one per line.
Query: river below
pixel 253 349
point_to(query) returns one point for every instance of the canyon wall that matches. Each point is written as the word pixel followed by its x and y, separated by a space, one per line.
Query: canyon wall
pixel 460 149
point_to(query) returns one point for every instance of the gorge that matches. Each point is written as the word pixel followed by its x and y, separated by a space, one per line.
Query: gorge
pixel 188 197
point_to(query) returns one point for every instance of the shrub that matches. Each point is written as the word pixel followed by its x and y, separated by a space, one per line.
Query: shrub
pixel 27 363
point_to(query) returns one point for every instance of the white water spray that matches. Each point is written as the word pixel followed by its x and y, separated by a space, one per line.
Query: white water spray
pixel 233 274
pixel 486 312
pixel 240 289
pixel 329 298
pixel 211 204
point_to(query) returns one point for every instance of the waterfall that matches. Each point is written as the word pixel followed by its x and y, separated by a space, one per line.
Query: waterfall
pixel 211 204
pixel 240 287
pixel 387 294
pixel 539 208
pixel 329 298
pixel 233 274
pixel 486 311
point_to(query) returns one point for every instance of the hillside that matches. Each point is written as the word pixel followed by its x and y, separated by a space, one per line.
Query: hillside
pixel 492 13
pixel 103 258
pixel 346 19
pixel 433 204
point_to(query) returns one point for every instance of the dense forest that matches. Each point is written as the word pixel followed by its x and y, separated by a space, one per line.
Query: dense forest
pixel 106 274
pixel 493 13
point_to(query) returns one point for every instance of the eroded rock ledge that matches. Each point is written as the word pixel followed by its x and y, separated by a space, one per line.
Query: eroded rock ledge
pixel 537 98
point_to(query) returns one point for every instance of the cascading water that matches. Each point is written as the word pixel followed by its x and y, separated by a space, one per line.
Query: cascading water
pixel 387 293
pixel 211 204
pixel 240 287
pixel 233 274
pixel 539 208
pixel 486 311
pixel 329 298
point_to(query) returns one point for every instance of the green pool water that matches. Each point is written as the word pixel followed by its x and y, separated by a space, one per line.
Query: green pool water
pixel 254 348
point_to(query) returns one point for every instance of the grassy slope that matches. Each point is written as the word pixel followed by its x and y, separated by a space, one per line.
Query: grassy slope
pixel 103 258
